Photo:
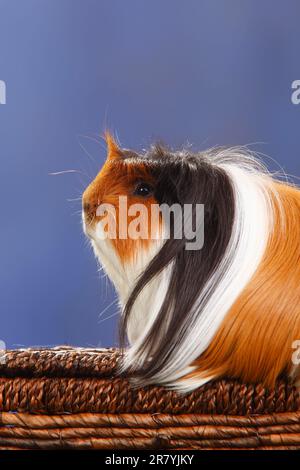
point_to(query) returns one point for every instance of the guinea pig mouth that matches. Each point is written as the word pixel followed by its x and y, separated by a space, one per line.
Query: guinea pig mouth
pixel 87 228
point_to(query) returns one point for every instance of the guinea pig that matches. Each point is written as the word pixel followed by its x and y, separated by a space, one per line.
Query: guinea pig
pixel 228 309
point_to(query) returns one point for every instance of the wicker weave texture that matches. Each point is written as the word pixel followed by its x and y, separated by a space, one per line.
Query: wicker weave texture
pixel 74 398
pixel 148 431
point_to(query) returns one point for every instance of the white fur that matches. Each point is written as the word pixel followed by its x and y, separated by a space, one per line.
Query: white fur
pixel 125 275
pixel 252 227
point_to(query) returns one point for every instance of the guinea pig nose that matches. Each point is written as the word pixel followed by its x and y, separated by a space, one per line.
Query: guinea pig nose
pixel 86 206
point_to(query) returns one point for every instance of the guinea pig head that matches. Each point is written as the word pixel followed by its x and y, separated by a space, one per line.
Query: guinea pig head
pixel 119 216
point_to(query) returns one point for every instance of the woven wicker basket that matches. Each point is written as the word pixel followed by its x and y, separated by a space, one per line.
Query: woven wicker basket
pixel 73 398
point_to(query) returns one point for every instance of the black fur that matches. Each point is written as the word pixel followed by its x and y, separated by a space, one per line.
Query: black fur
pixel 183 178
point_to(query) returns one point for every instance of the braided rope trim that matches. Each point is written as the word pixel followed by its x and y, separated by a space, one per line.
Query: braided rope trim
pixel 70 380
pixel 125 431
pixel 62 361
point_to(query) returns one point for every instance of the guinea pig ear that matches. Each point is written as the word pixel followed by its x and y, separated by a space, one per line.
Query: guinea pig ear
pixel 113 150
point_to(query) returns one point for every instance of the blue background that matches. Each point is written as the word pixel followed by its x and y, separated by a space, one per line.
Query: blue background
pixel 207 72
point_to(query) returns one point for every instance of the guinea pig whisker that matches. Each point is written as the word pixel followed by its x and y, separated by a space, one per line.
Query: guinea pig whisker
pixel 107 318
pixel 107 307
pixel 74 199
pixel 63 172
pixel 85 150
pixel 78 212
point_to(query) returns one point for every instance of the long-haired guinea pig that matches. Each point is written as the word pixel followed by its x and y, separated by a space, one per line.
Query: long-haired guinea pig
pixel 228 309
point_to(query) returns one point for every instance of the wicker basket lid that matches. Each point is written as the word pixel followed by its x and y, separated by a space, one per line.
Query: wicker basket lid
pixel 76 380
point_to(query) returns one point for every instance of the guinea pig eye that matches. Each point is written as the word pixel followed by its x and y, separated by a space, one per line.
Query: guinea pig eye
pixel 143 190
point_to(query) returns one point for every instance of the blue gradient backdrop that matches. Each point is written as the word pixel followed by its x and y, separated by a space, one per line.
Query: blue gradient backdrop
pixel 208 72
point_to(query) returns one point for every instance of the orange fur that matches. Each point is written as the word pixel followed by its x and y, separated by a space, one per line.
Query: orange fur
pixel 254 342
pixel 113 150
pixel 118 178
